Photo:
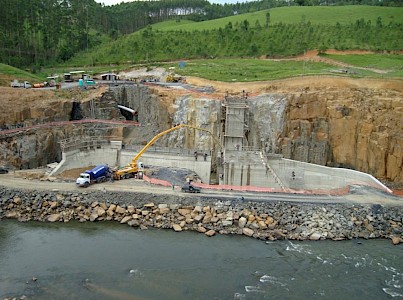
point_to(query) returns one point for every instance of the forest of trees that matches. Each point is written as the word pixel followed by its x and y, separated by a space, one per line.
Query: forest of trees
pixel 34 33
pixel 246 40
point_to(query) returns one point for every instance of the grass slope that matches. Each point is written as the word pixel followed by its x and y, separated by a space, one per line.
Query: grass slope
pixel 376 61
pixel 286 36
pixel 323 15
pixel 248 70
pixel 8 73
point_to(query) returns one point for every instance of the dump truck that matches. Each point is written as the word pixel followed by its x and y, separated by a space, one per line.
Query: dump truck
pixel 17 84
pixel 100 173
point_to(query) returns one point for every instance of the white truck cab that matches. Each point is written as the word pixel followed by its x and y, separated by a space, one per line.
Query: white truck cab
pixel 83 180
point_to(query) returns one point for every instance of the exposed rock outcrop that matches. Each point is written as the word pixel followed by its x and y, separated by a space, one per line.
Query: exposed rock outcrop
pixel 354 128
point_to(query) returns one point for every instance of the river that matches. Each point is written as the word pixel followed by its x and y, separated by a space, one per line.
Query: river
pixel 112 261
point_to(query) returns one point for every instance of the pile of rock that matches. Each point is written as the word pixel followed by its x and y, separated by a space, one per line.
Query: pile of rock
pixel 267 221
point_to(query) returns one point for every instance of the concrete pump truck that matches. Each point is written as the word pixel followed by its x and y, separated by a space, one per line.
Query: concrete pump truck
pixel 137 168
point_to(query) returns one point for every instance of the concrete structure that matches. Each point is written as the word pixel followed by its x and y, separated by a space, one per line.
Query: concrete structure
pixel 239 165
pixel 93 152
pixel 233 128
pixel 301 175
pixel 172 158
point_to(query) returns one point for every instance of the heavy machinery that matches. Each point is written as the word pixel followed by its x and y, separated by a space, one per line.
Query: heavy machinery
pixel 17 84
pixel 98 174
pixel 133 168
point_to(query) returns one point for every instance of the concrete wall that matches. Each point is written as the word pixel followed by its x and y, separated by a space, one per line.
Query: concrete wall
pixel 79 159
pixel 113 156
pixel 310 176
pixel 248 175
pixel 306 176
pixel 201 167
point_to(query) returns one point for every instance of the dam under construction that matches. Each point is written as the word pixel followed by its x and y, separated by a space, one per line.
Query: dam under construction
pixel 238 148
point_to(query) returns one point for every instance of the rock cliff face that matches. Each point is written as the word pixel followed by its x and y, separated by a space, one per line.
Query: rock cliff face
pixel 354 128
pixel 198 112
pixel 35 149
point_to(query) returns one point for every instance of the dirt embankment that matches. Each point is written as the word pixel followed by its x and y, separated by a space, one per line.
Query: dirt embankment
pixel 298 84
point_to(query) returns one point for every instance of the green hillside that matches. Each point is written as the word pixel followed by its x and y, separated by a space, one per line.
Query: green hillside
pixel 289 31
pixel 8 73
pixel 385 62
pixel 323 15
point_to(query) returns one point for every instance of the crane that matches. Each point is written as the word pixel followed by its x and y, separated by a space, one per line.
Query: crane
pixel 132 168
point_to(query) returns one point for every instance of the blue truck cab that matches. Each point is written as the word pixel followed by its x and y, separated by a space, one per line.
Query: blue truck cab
pixel 98 174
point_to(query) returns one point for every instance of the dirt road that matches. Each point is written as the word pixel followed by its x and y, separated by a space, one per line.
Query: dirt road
pixel 361 196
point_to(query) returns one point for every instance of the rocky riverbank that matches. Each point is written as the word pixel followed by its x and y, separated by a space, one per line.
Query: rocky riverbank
pixel 261 220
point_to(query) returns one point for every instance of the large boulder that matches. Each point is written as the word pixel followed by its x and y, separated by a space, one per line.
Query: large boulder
pixel 54 217
pixel 247 231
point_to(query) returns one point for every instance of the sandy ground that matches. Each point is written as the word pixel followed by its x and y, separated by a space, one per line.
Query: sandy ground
pixel 298 84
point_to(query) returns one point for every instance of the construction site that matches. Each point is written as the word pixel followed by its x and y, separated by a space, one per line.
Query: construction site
pixel 252 139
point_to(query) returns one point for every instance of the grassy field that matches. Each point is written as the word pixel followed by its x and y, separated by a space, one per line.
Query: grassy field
pixel 242 70
pixel 324 15
pixel 8 73
pixel 247 70
pixel 390 63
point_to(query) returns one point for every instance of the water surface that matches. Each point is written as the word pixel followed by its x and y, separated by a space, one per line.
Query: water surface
pixel 113 261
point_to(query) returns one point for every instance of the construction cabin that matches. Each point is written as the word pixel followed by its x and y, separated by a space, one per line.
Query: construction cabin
pixel 51 80
pixel 74 76
pixel 109 76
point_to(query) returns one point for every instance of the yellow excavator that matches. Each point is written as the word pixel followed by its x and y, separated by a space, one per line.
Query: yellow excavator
pixel 133 168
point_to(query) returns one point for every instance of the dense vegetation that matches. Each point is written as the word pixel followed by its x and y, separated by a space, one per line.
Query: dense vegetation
pixel 241 38
pixel 34 33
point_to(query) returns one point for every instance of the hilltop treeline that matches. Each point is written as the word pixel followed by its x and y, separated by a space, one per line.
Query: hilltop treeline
pixel 40 32
pixel 246 40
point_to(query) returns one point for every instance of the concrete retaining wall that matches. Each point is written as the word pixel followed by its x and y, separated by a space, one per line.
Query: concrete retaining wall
pixel 248 175
pixel 78 159
pixel 312 177
pixel 201 167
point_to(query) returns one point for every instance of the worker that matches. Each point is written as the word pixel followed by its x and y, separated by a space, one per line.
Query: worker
pixel 205 156
pixel 195 155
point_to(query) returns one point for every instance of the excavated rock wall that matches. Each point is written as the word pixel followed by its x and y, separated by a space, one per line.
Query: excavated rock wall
pixel 198 112
pixel 33 149
pixel 359 129
pixel 58 110
pixel 143 100
pixel 40 146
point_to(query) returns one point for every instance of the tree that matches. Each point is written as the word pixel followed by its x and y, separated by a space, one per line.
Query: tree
pixel 322 49
pixel 267 19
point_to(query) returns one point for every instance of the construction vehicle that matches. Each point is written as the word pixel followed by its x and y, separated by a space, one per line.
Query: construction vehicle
pixel 174 78
pixel 133 168
pixel 189 188
pixel 17 84
pixel 98 174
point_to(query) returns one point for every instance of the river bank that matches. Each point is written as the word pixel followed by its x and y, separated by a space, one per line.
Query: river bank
pixel 261 220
